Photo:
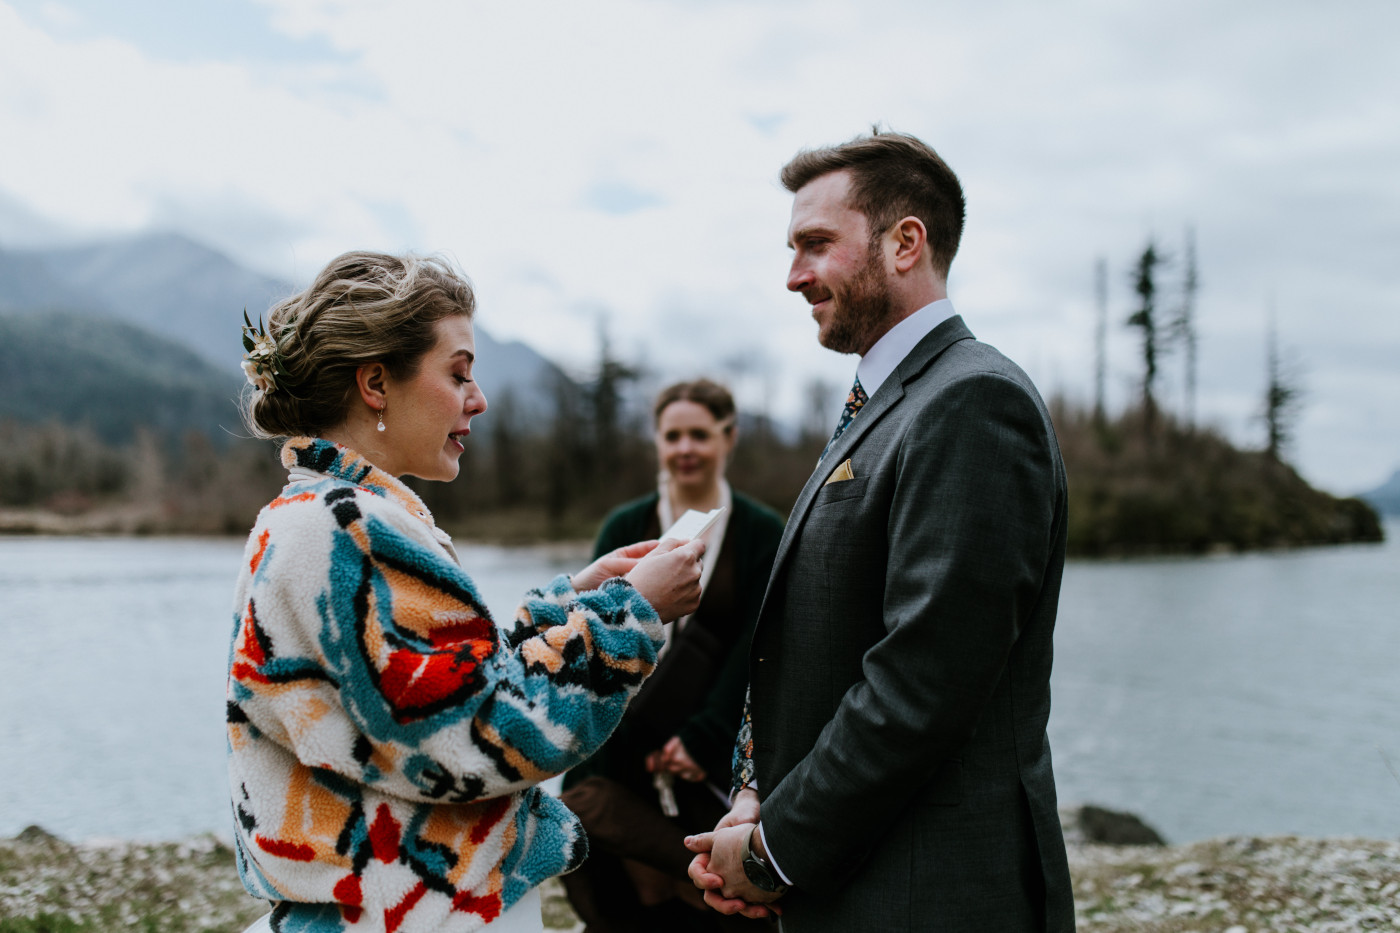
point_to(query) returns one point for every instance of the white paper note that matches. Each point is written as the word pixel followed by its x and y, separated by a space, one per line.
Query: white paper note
pixel 692 524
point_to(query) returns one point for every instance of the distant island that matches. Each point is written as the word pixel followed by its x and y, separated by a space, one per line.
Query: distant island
pixel 1183 490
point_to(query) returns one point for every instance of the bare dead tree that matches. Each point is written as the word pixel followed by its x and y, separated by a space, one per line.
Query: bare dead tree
pixel 1100 339
pixel 1184 326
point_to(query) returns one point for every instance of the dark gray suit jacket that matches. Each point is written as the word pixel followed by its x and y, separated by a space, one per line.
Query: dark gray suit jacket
pixel 900 673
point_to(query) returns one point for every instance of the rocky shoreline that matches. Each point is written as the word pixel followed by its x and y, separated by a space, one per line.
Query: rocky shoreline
pixel 1238 885
pixel 1229 885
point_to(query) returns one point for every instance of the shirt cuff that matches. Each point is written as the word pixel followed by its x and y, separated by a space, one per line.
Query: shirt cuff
pixel 772 858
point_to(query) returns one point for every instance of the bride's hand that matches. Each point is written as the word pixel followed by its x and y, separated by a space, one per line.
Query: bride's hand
pixel 613 564
pixel 669 578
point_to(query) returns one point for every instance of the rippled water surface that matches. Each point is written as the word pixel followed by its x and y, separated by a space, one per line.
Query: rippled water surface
pixel 1234 695
pixel 113 656
pixel 1254 694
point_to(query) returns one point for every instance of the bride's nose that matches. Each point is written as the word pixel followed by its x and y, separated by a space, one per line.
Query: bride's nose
pixel 475 402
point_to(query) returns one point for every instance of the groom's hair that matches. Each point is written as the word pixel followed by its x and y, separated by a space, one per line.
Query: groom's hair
pixel 893 176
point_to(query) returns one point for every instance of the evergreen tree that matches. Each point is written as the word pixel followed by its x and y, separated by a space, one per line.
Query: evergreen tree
pixel 1145 319
pixel 565 454
pixel 606 395
pixel 507 451
pixel 818 412
pixel 1282 398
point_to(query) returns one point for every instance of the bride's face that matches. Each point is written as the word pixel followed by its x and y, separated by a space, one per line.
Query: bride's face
pixel 428 415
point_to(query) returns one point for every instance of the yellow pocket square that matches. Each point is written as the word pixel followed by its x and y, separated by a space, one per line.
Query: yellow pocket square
pixel 840 474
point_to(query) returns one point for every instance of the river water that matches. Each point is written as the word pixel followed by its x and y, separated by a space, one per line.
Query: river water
pixel 1254 694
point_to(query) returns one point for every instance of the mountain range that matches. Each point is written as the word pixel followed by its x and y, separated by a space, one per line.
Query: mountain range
pixel 164 283
pixel 1386 497
pixel 145 330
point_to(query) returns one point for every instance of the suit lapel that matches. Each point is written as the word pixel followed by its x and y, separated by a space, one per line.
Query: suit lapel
pixel 890 393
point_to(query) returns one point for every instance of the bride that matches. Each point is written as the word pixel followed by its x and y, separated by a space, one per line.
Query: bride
pixel 386 738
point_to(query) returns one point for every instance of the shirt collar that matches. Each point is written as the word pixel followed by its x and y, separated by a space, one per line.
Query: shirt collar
pixel 891 349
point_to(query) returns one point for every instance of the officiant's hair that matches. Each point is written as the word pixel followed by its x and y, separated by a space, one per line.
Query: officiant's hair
pixel 893 176
pixel 714 397
pixel 362 308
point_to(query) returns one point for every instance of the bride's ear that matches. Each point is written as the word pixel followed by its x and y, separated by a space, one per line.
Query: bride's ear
pixel 370 381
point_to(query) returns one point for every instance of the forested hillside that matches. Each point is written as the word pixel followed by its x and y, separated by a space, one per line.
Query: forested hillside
pixel 113 378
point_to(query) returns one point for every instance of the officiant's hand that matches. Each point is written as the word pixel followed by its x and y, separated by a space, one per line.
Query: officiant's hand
pixel 672 758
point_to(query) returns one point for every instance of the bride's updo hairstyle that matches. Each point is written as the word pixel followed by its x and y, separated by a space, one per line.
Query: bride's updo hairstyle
pixel 363 308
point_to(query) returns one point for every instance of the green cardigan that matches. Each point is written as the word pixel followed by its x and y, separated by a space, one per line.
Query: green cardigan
pixel 753 533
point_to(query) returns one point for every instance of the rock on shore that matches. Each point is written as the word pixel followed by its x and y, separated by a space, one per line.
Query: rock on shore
pixel 1234 885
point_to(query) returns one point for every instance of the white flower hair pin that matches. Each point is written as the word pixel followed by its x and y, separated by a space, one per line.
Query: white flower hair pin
pixel 261 362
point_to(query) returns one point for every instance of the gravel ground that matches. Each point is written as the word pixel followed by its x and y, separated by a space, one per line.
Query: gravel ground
pixel 1238 885
pixel 49 886
pixel 1243 885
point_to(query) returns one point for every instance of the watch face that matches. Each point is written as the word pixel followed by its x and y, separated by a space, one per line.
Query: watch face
pixel 760 876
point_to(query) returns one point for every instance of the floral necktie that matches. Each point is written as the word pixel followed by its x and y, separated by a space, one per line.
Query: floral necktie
pixel 854 402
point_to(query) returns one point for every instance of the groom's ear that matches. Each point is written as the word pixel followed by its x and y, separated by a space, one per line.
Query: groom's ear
pixel 910 240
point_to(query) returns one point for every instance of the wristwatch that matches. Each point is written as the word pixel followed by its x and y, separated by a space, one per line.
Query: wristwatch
pixel 759 872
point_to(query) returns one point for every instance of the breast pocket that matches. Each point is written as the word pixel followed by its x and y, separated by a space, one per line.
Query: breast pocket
pixel 845 538
pixel 841 491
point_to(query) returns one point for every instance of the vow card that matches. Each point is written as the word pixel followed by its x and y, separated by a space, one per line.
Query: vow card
pixel 692 524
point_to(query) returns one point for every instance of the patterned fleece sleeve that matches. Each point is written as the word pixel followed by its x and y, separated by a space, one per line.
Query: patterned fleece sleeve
pixel 383 665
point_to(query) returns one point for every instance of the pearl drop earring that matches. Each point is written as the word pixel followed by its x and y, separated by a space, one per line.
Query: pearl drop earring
pixel 381 420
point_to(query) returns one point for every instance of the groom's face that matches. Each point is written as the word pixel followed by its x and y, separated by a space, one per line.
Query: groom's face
pixel 836 267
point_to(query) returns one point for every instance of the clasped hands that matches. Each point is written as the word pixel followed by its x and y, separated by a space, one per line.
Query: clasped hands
pixel 673 758
pixel 718 869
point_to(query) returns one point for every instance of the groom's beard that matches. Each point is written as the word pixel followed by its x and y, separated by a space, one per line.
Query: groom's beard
pixel 861 309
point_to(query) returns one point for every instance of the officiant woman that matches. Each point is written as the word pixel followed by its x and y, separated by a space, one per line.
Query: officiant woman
pixel 674 746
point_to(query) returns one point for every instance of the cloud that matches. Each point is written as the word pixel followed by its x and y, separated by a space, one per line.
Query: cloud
pixel 172 30
pixel 613 197
pixel 619 158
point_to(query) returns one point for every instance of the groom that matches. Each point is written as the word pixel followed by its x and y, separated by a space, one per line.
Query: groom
pixel 893 770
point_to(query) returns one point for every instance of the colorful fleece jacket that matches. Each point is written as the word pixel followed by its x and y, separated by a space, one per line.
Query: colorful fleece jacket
pixel 384 739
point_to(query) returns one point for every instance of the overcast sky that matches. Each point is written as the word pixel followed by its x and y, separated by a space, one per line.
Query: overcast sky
pixel 618 161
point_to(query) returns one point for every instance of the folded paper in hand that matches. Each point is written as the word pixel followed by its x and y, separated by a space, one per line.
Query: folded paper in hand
pixel 692 525
pixel 665 784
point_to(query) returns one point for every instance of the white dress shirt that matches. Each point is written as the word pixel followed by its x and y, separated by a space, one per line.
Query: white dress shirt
pixel 891 349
